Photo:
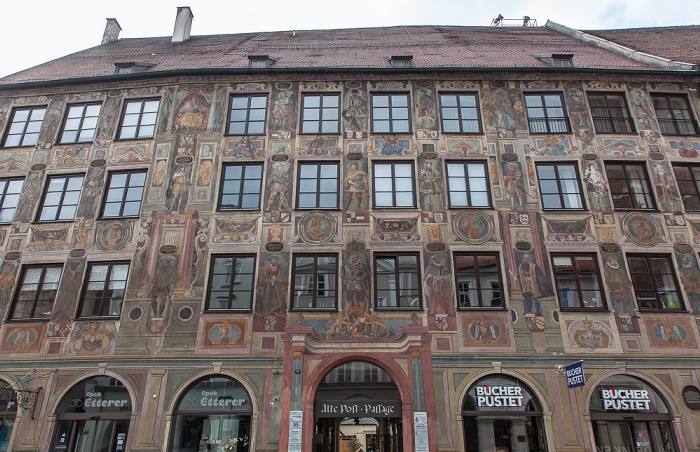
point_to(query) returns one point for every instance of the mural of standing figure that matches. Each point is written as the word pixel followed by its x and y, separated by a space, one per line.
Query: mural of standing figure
pixel 356 188
pixel 438 287
pixel 176 195
pixel 515 187
pixel 597 187
pixel 162 283
pixel 430 187
pixel 279 182
pixel 619 285
pixel 533 285
pixel 272 288
pixel 690 278
pixel 356 281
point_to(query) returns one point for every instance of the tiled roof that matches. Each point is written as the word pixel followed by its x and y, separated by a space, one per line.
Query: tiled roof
pixel 675 43
pixel 430 46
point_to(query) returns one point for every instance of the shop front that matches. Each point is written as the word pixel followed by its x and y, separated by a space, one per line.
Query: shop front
pixel 8 413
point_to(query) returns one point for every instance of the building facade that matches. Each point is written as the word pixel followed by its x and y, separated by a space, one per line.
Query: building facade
pixel 246 242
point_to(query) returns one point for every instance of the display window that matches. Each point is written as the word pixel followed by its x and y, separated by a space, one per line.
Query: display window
pixel 214 416
pixel 501 414
pixel 628 415
pixel 8 413
pixel 93 417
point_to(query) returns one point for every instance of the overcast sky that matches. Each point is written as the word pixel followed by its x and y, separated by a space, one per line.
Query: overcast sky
pixel 36 31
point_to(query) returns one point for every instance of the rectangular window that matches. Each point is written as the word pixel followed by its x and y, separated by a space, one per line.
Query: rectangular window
pixel 394 185
pixel 545 113
pixel 139 119
pixel 10 190
pixel 24 127
pixel 241 185
pixel 559 186
pixel 37 291
pixel 315 279
pixel 397 281
pixel 578 281
pixel 247 115
pixel 320 113
pixel 231 283
pixel 80 123
pixel 318 186
pixel 390 113
pixel 610 113
pixel 402 61
pixel 478 280
pixel 460 113
pixel 124 194
pixel 654 282
pixel 562 61
pixel 629 186
pixel 467 184
pixel 688 179
pixel 674 114
pixel 61 198
pixel 104 289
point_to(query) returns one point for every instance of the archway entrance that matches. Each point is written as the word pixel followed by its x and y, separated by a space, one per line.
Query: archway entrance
pixel 357 407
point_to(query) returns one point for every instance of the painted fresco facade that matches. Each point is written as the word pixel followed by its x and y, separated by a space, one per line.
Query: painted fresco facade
pixel 436 347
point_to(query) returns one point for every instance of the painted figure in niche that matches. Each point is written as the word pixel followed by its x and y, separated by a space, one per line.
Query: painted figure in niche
pixel 159 173
pixel 356 282
pixel 425 109
pixel 503 112
pixel 272 288
pixel 438 286
pixel 162 283
pixel 514 185
pixel 193 114
pixel 176 194
pixel 356 188
pixel 30 194
pixel 204 175
pixel 690 278
pixel 597 187
pixel 430 187
pixel 92 191
pixel 533 284
pixel 72 278
pixel 391 145
pixel 666 190
pixel 282 116
pixel 619 285
pixel 578 111
pixel 279 183
pixel 7 281
pixel 355 111
pixel 643 111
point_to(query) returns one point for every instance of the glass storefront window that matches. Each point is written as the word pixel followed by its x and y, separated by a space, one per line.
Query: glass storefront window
pixel 8 412
pixel 214 416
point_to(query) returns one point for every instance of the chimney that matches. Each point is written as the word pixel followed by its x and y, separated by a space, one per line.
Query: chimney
pixel 112 30
pixel 183 23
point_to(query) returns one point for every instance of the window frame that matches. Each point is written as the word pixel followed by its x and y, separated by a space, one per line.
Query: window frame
pixel 259 164
pixel 475 255
pixel 624 165
pixel 232 281
pixel 558 179
pixel 5 182
pixel 315 289
pixel 657 293
pixel 247 121
pixel 459 108
pixel 318 179
pixel 393 183
pixel 468 191
pixel 79 130
pixel 320 109
pixel 35 300
pixel 681 187
pixel 546 120
pixel 390 119
pixel 675 121
pixel 418 290
pixel 572 256
pixel 140 114
pixel 105 289
pixel 126 189
pixel 609 119
pixel 60 205
pixel 23 134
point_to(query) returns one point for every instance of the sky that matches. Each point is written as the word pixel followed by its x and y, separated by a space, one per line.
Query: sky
pixel 37 31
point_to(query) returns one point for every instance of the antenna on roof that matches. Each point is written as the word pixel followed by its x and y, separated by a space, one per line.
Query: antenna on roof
pixel 497 21
pixel 526 21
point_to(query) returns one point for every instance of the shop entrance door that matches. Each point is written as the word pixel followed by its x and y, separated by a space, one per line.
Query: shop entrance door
pixel 634 436
pixel 355 434
pixel 92 435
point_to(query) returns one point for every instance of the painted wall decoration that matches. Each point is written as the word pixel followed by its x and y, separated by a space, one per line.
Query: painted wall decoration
pixel 225 334
pixel 67 298
pixel 483 331
pixel 177 194
pixel 356 186
pixel 191 113
pixel 68 157
pixel 666 189
pixel 317 227
pixel 356 284
pixel 283 108
pixel 92 338
pixel 473 226
pixel 271 290
pixel 685 148
pixel 239 230
pixel 395 230
pixel 52 121
pixel 590 334
pixel 620 291
pixel 578 113
pixel 31 191
pixel 503 110
pixel 425 109
pixel 568 232
pixel 534 286
pixel 391 145
pixel 319 146
pixel 279 185
pixel 354 110
pixel 245 147
pixel 553 146
pixel 670 333
pixel 596 187
pixel 14 161
pixel 204 173
pixel 514 185
pixel 22 338
pixel 113 235
pixel 430 187
pixel 621 146
pixel 131 154
pixel 438 290
pixel 109 115
pixel 689 274
pixel 7 281
pixel 91 195
pixel 464 146
pixel 48 239
pixel 641 228
pixel 646 118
